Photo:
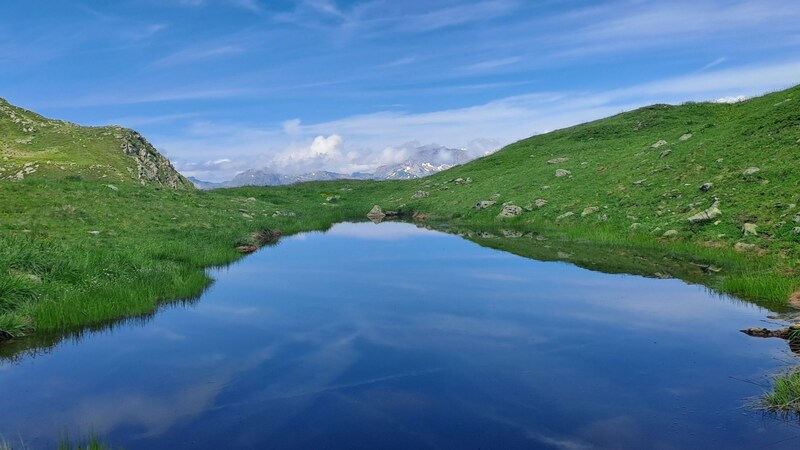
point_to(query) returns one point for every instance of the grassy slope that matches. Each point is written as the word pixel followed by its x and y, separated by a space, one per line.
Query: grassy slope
pixel 153 243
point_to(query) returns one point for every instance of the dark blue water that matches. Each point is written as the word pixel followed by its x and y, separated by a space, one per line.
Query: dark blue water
pixel 389 336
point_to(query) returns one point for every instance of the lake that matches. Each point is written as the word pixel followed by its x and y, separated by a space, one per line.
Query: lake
pixel 392 336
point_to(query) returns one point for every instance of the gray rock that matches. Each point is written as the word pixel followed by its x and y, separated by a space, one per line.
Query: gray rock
pixel 528 207
pixel 660 143
pixel 796 218
pixel 670 233
pixel 484 204
pixel 512 234
pixel 94 232
pixel 706 187
pixel 589 211
pixel 564 255
pixel 540 202
pixel 562 173
pixel 665 153
pixel 420 194
pixel 510 211
pixel 558 160
pixel 796 230
pixel 750 229
pixel 750 171
pixel 707 215
pixel 112 187
pixel 494 196
pixel 565 216
pixel 603 218
pixel 743 247
pixel 376 213
pixel 635 226
pixel 639 182
pixel 685 137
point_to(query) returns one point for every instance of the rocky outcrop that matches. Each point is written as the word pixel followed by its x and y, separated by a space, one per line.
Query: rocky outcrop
pixel 376 213
pixel 151 166
pixel 510 211
pixel 707 215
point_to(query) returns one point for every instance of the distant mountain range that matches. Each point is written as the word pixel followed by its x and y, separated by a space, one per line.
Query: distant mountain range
pixel 424 160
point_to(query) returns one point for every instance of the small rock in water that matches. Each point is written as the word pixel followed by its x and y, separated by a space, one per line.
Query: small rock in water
pixel 750 171
pixel 750 229
pixel 658 144
pixel 376 213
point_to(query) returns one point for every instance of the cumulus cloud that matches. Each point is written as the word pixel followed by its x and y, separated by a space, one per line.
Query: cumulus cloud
pixel 731 99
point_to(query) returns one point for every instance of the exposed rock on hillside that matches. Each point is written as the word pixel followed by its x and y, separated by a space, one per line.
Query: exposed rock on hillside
pixel 151 166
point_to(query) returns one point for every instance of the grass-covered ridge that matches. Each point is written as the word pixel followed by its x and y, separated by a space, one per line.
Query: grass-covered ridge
pixel 76 249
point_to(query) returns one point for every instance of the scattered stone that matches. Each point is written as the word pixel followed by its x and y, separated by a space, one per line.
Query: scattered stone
pixel 743 247
pixel 796 218
pixel 494 197
pixel 750 171
pixel 639 182
pixel 589 211
pixel 512 234
pixel 510 211
pixel 376 213
pixel 565 216
pixel 484 204
pixel 112 187
pixel 665 153
pixel 603 218
pixel 706 187
pixel 750 229
pixel 796 230
pixel 247 216
pixel 541 238
pixel 528 207
pixel 685 137
pixel 420 217
pixel 539 202
pixel 420 194
pixel 250 199
pixel 638 126
pixel 564 255
pixel 562 173
pixel 94 232
pixel 266 236
pixel 246 248
pixel 332 198
pixel 635 226
pixel 485 235
pixel 660 143
pixel 670 233
pixel 558 160
pixel 707 215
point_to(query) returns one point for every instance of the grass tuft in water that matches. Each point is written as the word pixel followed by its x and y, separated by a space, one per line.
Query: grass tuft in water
pixel 785 397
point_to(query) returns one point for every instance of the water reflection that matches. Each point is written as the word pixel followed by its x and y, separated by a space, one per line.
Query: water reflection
pixel 391 336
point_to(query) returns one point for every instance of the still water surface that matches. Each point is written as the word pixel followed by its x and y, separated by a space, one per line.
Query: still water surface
pixel 390 336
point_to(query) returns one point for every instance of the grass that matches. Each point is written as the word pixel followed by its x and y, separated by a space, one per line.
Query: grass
pixel 785 396
pixel 92 443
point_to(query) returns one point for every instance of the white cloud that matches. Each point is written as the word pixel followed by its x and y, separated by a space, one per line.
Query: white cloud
pixel 731 99
pixel 361 142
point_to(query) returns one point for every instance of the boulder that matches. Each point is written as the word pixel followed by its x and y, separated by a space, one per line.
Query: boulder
pixel 558 160
pixel 665 153
pixel 796 230
pixel 706 187
pixel 589 211
pixel 707 215
pixel 685 137
pixel 796 218
pixel 565 216
pixel 484 204
pixel 376 213
pixel 562 173
pixel 750 171
pixel 420 194
pixel 512 234
pixel 660 143
pixel 750 229
pixel 670 233
pixel 539 202
pixel 510 211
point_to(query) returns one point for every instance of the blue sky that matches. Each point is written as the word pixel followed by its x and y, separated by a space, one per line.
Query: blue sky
pixel 224 85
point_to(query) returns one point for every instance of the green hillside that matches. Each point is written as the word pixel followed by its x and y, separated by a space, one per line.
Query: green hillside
pixel 75 251
pixel 32 146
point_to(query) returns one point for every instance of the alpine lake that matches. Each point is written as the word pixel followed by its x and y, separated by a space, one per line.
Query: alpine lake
pixel 393 336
